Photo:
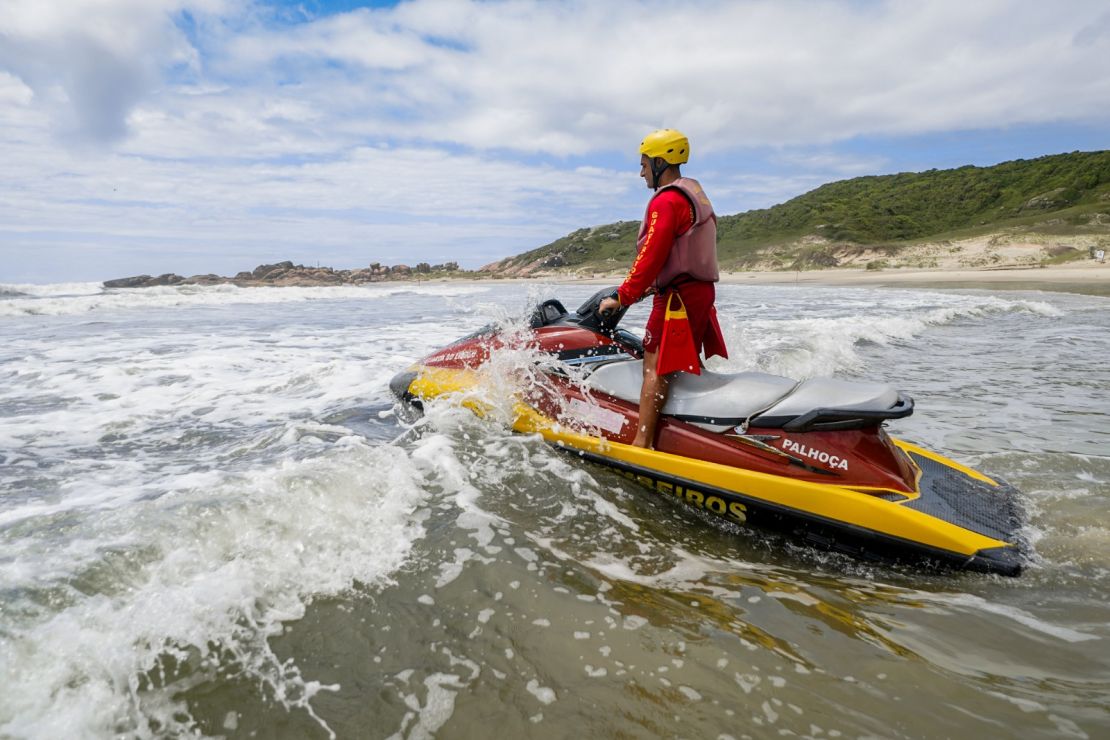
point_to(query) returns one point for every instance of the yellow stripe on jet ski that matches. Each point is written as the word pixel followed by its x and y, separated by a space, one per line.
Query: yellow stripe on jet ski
pixel 835 503
pixel 908 447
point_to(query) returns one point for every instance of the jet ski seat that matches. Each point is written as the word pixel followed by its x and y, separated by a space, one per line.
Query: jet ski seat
pixel 713 401
pixel 832 403
pixel 721 401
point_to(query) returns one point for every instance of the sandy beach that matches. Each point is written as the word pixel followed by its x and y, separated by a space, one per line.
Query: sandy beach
pixel 1090 278
pixel 997 261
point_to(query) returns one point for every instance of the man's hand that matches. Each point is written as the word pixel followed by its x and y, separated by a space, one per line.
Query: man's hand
pixel 608 305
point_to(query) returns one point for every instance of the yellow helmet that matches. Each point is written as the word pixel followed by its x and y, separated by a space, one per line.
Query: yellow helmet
pixel 671 145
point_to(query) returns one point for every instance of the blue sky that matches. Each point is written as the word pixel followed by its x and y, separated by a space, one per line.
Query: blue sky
pixel 189 136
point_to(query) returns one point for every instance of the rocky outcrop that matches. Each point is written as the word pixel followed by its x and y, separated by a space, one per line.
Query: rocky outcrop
pixel 286 274
pixel 145 281
pixel 138 281
pixel 1045 201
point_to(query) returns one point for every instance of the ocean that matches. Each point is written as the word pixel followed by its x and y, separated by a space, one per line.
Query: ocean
pixel 214 522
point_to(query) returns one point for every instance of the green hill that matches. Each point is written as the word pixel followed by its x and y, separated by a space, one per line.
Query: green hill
pixel 1061 194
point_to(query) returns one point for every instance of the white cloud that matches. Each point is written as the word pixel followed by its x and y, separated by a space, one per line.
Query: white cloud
pixel 579 76
pixel 831 163
pixel 140 213
pixel 568 77
pixel 439 123
pixel 13 93
pixel 90 61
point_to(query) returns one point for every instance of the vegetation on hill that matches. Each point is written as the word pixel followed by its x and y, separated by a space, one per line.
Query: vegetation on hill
pixel 1058 193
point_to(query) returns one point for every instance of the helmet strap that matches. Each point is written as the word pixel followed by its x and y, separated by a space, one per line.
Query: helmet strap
pixel 658 167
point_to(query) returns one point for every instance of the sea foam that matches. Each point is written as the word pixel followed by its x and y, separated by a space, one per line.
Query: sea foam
pixel 81 298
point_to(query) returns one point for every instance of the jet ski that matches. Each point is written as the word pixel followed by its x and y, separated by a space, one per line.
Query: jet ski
pixel 811 457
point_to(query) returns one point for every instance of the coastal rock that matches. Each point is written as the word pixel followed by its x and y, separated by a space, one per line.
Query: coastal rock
pixel 138 281
pixel 262 271
pixel 286 274
pixel 209 279
pixel 145 281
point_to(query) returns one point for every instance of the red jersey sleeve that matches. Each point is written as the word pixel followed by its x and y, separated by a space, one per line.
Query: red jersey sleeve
pixel 669 215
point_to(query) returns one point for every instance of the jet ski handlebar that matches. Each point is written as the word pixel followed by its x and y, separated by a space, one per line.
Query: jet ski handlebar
pixel 590 316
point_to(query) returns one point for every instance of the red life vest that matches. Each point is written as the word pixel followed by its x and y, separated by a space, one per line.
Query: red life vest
pixel 694 253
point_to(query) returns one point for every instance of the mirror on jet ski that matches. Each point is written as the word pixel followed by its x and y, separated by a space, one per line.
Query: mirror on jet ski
pixel 591 318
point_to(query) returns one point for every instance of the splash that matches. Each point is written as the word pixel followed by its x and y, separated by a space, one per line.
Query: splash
pixel 217 573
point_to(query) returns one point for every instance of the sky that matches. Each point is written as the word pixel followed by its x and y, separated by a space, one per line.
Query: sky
pixel 197 136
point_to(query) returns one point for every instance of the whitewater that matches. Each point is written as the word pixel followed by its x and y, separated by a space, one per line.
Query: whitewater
pixel 214 522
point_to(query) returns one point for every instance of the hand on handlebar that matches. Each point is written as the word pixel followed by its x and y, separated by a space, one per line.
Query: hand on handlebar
pixel 608 306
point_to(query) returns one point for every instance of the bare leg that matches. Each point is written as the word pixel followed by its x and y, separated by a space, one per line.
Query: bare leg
pixel 653 394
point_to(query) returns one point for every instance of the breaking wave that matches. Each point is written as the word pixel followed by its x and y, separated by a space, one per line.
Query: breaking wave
pixel 792 341
pixel 81 298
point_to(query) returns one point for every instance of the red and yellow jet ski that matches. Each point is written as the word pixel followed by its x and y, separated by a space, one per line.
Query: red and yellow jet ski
pixel 810 457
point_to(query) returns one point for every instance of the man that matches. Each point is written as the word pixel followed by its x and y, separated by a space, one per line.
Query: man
pixel 676 254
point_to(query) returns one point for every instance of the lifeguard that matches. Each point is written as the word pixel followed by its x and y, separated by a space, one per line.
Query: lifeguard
pixel 676 261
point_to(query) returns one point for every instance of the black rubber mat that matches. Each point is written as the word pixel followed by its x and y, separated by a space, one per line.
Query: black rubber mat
pixel 994 511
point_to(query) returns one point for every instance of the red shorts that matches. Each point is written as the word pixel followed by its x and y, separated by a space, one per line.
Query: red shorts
pixel 698 298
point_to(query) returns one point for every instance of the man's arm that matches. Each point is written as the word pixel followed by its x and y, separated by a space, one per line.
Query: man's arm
pixel 668 215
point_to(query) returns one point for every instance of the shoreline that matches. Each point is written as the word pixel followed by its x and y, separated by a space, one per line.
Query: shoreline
pixel 1090 278
pixel 1092 273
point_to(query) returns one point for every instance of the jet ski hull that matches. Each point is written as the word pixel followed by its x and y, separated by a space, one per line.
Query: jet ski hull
pixel 951 515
